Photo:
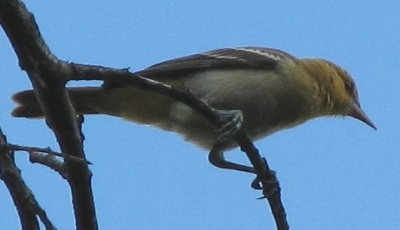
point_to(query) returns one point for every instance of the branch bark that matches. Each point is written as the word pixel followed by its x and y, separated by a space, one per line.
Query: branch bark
pixel 27 206
pixel 47 75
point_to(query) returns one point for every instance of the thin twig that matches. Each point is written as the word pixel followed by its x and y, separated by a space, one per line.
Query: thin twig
pixel 22 196
pixel 50 161
pixel 46 150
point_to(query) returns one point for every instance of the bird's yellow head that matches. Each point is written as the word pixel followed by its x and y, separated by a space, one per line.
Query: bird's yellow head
pixel 337 90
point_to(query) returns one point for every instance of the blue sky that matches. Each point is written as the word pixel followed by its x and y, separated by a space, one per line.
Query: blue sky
pixel 335 173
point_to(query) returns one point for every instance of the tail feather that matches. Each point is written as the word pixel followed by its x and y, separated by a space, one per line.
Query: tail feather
pixel 131 103
pixel 29 107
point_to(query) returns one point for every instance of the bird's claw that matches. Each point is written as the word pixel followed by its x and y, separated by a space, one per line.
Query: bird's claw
pixel 234 122
pixel 269 187
pixel 256 184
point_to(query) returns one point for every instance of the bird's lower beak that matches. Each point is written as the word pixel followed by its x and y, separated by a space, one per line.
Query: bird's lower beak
pixel 356 112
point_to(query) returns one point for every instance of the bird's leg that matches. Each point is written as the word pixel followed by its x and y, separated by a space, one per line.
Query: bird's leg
pixel 216 155
pixel 234 121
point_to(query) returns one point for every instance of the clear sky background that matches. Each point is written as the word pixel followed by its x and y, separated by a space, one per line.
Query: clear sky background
pixel 335 173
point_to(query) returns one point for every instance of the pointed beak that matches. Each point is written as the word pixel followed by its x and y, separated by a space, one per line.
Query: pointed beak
pixel 356 112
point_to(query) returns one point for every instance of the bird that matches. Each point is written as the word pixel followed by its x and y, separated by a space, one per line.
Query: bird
pixel 264 90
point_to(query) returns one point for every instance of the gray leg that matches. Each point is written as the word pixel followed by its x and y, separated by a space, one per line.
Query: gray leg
pixel 216 157
pixel 234 120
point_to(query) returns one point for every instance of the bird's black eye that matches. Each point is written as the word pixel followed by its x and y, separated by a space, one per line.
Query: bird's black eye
pixel 349 86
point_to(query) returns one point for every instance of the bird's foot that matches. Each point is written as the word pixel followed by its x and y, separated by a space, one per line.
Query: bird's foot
pixel 269 186
pixel 234 121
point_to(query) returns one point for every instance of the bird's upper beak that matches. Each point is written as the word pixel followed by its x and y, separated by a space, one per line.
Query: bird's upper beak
pixel 356 112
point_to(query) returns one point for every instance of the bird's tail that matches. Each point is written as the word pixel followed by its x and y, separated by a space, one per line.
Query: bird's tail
pixel 81 97
pixel 28 105
pixel 131 103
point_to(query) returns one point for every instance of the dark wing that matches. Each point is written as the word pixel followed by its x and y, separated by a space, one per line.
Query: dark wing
pixel 244 57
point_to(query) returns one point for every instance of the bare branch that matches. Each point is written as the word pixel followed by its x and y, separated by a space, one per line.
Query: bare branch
pixel 47 75
pixel 22 196
pixel 49 161
pixel 47 150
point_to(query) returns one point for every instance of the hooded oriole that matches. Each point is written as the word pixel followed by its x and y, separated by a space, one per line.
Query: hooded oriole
pixel 271 90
